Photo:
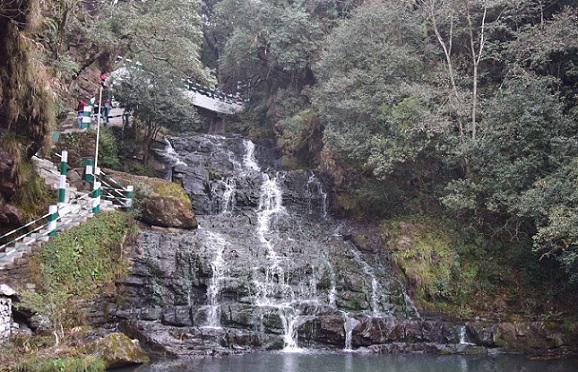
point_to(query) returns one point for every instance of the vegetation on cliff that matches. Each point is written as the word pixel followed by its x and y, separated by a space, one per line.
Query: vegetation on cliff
pixel 70 272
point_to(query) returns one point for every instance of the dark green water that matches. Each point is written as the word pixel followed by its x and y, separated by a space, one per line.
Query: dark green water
pixel 353 362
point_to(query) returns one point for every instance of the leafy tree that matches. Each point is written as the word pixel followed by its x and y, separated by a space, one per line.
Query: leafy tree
pixel 162 35
pixel 165 38
pixel 527 136
pixel 370 89
pixel 270 44
pixel 156 101
pixel 76 36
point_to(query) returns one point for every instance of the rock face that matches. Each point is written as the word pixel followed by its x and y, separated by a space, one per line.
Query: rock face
pixel 269 269
pixel 9 215
pixel 527 337
pixel 160 202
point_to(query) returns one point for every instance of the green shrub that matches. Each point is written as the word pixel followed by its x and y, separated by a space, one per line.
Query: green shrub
pixel 68 364
pixel 108 149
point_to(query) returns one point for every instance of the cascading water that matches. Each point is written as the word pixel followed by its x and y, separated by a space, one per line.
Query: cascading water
pixel 171 158
pixel 374 283
pixel 269 269
pixel 349 324
pixel 218 268
pixel 463 336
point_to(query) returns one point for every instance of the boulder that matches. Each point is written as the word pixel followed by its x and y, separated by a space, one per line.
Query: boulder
pixel 160 202
pixel 10 215
pixel 117 350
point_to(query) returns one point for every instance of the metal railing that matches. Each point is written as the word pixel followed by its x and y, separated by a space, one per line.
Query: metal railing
pixel 115 192
pixel 57 219
pixel 64 214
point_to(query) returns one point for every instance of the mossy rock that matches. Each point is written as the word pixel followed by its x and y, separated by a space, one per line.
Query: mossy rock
pixel 160 202
pixel 118 350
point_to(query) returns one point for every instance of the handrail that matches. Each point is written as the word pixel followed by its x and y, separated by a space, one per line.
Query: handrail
pixel 75 217
pixel 22 227
pixel 21 237
pixel 63 214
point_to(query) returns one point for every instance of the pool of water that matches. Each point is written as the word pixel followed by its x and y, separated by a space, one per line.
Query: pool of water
pixel 355 362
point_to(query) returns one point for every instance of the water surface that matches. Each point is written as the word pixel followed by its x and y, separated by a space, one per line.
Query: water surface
pixel 355 362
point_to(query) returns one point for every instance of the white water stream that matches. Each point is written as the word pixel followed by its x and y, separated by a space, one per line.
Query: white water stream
pixel 219 269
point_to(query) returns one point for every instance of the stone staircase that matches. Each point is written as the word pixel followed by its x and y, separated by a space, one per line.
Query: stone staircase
pixel 77 209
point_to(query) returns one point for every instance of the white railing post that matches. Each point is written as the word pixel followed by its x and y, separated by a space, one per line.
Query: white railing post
pixel 53 211
pixel 129 195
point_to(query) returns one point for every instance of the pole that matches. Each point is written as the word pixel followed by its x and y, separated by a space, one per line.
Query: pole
pixel 62 178
pixel 53 215
pixel 96 197
pixel 86 112
pixel 129 195
pixel 98 128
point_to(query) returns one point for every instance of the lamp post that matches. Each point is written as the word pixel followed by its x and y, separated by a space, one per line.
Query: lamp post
pixel 96 183
pixel 97 131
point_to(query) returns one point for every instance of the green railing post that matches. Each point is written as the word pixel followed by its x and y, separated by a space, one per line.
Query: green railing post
pixel 53 211
pixel 128 195
pixel 86 113
pixel 96 197
pixel 62 179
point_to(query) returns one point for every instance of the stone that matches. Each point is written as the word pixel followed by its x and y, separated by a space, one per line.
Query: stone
pixel 6 290
pixel 160 202
pixel 10 215
pixel 118 350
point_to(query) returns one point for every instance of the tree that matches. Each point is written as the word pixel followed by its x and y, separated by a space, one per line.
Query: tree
pixel 156 100
pixel 527 136
pixel 162 35
pixel 370 90
pixel 270 44
pixel 165 38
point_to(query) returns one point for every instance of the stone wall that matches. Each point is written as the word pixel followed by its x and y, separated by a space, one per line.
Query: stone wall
pixel 6 323
pixel 5 317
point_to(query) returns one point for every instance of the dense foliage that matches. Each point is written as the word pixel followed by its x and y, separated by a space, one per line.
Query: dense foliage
pixel 465 108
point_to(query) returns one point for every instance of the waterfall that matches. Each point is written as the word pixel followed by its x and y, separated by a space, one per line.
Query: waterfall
pixel 374 282
pixel 348 325
pixel 171 158
pixel 228 203
pixel 269 265
pixel 463 336
pixel 289 319
pixel 218 268
pixel 332 290
pixel 249 159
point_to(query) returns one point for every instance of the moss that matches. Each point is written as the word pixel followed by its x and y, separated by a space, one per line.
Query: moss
pixel 171 190
pixel 500 342
pixel 33 197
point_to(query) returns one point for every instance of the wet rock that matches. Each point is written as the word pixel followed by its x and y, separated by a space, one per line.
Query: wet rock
pixel 535 337
pixel 170 341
